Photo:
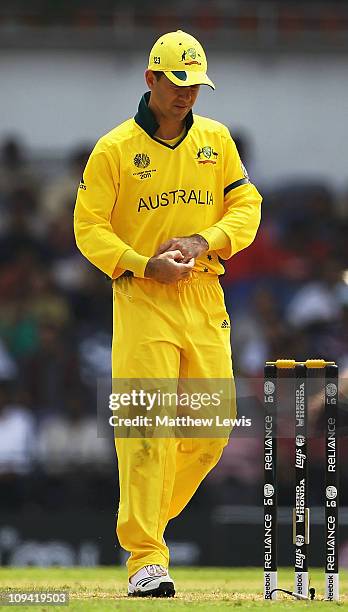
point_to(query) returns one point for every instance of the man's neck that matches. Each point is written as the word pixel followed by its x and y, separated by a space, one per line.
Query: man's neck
pixel 168 128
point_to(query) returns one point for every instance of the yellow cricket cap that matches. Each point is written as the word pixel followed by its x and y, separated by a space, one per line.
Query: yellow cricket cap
pixel 182 59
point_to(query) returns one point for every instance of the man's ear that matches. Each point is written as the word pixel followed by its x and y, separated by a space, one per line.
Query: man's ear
pixel 149 78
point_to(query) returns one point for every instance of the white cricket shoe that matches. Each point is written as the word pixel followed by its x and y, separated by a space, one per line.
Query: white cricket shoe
pixel 151 581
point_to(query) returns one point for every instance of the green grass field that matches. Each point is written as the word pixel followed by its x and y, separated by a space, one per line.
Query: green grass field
pixel 215 589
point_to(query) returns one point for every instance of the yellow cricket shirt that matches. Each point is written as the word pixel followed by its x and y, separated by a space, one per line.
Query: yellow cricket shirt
pixel 137 192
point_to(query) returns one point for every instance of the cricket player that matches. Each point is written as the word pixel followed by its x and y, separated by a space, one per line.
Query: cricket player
pixel 163 199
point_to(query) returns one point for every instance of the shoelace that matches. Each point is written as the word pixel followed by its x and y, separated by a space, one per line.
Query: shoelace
pixel 155 569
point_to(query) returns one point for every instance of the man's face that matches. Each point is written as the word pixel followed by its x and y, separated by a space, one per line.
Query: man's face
pixel 172 101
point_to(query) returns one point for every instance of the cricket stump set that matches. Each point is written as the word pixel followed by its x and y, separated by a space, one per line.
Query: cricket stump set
pixel 300 373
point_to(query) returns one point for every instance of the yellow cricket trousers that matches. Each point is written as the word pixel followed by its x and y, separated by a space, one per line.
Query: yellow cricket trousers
pixel 170 332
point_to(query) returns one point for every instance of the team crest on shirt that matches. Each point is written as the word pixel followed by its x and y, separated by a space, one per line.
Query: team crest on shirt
pixel 206 155
pixel 142 160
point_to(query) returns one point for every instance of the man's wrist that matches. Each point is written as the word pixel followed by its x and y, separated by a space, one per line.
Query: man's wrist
pixel 202 241
pixel 149 268
pixel 133 261
pixel 215 238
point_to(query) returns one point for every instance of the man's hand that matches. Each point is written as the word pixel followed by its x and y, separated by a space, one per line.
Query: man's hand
pixel 190 246
pixel 168 267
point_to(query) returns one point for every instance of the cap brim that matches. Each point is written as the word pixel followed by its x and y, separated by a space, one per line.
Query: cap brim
pixel 184 78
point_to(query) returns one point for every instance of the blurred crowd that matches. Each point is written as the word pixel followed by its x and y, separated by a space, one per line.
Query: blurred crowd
pixel 210 15
pixel 287 296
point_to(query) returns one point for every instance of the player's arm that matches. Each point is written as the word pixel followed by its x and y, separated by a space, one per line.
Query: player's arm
pixel 242 213
pixel 94 234
pixel 242 208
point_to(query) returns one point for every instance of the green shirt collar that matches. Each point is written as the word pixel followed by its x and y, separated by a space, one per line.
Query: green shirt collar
pixel 146 119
